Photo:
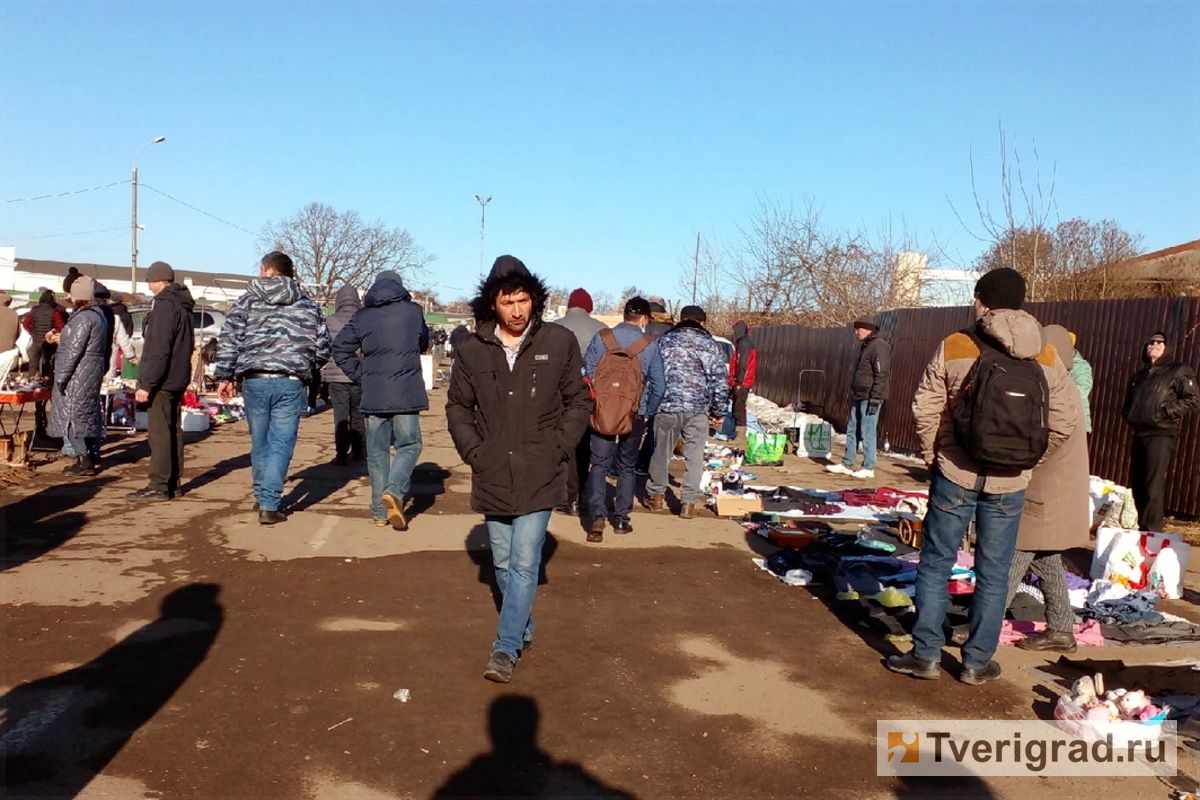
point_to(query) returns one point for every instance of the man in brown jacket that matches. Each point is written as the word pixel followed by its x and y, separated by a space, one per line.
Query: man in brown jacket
pixel 961 491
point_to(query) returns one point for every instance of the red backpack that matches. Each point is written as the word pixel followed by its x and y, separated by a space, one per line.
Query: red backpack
pixel 617 385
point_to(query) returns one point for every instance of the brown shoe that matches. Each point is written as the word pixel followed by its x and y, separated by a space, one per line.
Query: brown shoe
pixel 596 532
pixel 656 502
pixel 395 511
pixel 687 511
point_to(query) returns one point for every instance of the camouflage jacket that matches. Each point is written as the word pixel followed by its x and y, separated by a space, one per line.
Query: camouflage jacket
pixel 697 372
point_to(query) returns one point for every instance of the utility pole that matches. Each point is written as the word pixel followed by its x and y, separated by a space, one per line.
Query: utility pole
pixel 483 201
pixel 696 268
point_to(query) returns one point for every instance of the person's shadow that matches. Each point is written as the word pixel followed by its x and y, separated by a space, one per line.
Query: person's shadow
pixel 516 767
pixel 61 731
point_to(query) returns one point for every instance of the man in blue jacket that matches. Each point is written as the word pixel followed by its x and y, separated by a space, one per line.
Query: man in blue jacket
pixel 390 331
pixel 623 448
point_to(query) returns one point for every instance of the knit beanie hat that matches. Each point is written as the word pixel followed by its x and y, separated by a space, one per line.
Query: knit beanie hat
pixel 83 288
pixel 580 299
pixel 694 313
pixel 160 271
pixel 1001 288
pixel 389 275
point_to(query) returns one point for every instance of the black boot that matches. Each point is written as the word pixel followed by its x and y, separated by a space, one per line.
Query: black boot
pixel 83 466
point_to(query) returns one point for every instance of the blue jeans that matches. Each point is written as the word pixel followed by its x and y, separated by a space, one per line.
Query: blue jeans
pixel 997 517
pixel 625 451
pixel 667 428
pixel 517 558
pixel 860 428
pixel 391 474
pixel 82 446
pixel 273 408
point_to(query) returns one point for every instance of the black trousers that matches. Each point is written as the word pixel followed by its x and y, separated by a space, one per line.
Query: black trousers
pixel 349 428
pixel 1151 461
pixel 166 441
pixel 740 395
pixel 578 465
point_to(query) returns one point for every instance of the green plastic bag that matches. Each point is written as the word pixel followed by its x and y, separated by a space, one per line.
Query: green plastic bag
pixel 764 449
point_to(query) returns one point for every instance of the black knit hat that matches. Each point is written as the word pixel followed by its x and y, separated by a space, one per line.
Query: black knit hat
pixel 695 313
pixel 1001 288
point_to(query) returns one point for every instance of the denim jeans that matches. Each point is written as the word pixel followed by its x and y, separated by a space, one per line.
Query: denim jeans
pixel 625 451
pixel 860 427
pixel 517 558
pixel 82 446
pixel 391 474
pixel 667 428
pixel 951 510
pixel 273 408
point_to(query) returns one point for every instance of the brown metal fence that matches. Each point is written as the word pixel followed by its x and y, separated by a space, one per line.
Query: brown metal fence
pixel 812 367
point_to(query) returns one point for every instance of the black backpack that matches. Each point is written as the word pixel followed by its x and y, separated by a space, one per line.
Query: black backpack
pixel 1001 414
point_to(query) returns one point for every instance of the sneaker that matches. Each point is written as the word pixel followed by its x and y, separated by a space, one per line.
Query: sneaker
pixel 839 469
pixel 975 677
pixel 622 527
pixel 149 493
pixel 1052 641
pixel 596 532
pixel 395 511
pixel 909 664
pixel 380 523
pixel 863 473
pixel 656 502
pixel 499 667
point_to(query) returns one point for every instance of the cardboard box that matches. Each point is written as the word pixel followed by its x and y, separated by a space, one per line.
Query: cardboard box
pixel 738 505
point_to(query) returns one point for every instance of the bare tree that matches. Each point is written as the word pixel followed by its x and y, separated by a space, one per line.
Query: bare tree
pixel 332 249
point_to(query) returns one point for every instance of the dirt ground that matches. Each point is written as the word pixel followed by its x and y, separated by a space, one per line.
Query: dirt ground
pixel 180 650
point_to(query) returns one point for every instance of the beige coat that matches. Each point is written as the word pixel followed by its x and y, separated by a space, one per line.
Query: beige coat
pixel 1058 511
pixel 1021 335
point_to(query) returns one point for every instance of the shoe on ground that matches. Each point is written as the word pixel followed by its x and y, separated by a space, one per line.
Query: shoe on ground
pixel 395 511
pixel 499 667
pixel 687 510
pixel 975 677
pixel 909 664
pixel 149 493
pixel 863 473
pixel 839 469
pixel 341 460
pixel 959 634
pixel 571 509
pixel 596 531
pixel 656 502
pixel 1050 641
pixel 623 526
pixel 380 523
pixel 270 517
pixel 82 466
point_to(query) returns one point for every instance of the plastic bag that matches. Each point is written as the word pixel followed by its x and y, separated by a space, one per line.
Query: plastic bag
pixel 765 448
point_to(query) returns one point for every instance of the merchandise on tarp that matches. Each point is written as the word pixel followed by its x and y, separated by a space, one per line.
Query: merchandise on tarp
pixel 1140 560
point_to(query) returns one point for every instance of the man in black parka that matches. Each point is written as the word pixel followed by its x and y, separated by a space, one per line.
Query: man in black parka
pixel 1158 396
pixel 516 407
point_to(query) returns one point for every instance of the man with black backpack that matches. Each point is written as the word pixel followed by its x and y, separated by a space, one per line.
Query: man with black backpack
pixel 626 371
pixel 992 402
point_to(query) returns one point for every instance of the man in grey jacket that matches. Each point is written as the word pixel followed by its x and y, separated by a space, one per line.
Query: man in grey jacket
pixel 579 321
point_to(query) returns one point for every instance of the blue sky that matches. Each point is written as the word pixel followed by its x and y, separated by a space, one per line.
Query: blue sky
pixel 608 134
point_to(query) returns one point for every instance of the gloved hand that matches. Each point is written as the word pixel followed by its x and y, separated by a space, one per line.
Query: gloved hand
pixel 873 407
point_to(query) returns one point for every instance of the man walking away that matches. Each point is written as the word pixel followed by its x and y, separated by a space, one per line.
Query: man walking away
pixel 579 321
pixel 163 376
pixel 516 407
pixel 391 334
pixel 273 340
pixel 345 395
pixel 869 387
pixel 623 449
pixel 961 490
pixel 697 394
pixel 1159 396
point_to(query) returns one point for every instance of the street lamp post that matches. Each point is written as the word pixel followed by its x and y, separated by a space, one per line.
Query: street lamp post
pixel 134 228
pixel 483 201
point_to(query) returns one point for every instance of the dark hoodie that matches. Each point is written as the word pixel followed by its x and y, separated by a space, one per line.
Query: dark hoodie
pixel 390 332
pixel 273 327
pixel 167 341
pixel 516 426
pixel 744 365
pixel 1159 395
pixel 346 304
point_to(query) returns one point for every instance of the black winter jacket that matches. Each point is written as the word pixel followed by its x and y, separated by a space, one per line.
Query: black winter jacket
pixel 346 305
pixel 168 340
pixel 390 331
pixel 872 379
pixel 516 428
pixel 1158 397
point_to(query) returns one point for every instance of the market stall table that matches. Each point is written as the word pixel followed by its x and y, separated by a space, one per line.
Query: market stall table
pixel 13 403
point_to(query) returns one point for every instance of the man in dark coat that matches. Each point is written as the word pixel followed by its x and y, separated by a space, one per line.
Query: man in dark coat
pixel 164 372
pixel 391 334
pixel 345 395
pixel 45 317
pixel 516 407
pixel 869 385
pixel 1159 395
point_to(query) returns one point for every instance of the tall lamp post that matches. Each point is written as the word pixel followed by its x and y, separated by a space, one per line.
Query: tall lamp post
pixel 483 201
pixel 133 259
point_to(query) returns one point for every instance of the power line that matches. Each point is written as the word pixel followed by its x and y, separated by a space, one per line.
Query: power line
pixel 198 210
pixel 76 233
pixel 64 194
